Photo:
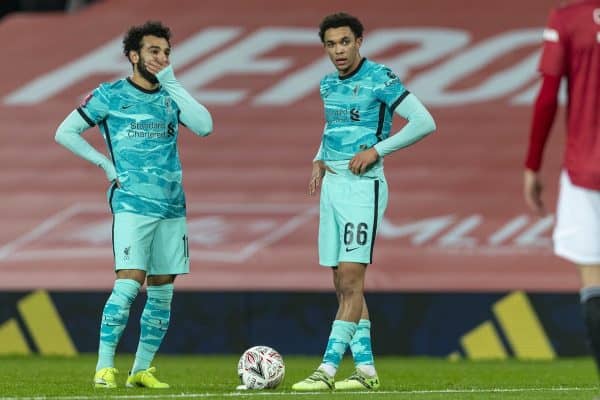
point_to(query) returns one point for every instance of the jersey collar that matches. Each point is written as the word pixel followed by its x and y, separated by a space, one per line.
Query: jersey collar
pixel 350 75
pixel 138 87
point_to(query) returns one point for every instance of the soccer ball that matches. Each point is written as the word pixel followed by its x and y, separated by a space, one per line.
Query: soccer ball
pixel 261 367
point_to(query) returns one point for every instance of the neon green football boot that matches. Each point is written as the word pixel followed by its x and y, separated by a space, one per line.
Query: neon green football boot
pixel 317 381
pixel 358 381
pixel 146 378
pixel 105 378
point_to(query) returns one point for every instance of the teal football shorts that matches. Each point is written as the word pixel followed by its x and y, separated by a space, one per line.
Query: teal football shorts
pixel 351 210
pixel 157 246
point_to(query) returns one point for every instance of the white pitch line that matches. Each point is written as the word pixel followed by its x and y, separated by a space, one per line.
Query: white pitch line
pixel 324 393
pixel 43 228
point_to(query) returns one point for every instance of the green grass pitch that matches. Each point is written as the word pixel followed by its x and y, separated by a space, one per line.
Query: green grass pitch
pixel 214 377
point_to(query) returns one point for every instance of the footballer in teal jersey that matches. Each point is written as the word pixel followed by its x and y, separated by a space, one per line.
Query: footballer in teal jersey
pixel 139 119
pixel 360 100
pixel 140 128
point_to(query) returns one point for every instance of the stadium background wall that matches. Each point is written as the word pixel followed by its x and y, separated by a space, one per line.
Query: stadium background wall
pixel 457 241
pixel 477 326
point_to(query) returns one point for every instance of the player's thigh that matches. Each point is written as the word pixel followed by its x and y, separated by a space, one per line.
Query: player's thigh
pixel 170 249
pixel 577 231
pixel 132 240
pixel 359 211
pixel 329 243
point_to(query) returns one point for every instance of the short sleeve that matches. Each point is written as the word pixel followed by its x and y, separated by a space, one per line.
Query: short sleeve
pixel 389 90
pixel 95 106
pixel 553 60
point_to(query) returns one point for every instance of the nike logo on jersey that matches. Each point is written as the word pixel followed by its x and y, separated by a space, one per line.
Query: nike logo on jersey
pixel 127 106
pixel 349 249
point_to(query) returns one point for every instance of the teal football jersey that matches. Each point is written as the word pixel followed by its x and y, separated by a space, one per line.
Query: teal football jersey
pixel 140 128
pixel 358 109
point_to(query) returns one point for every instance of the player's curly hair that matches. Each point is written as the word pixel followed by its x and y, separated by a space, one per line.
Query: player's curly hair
pixel 338 20
pixel 135 34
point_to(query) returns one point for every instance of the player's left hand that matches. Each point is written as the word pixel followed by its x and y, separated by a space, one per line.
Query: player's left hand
pixel 361 161
pixel 155 65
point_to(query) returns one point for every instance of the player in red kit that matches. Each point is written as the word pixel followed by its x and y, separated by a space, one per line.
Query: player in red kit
pixel 572 49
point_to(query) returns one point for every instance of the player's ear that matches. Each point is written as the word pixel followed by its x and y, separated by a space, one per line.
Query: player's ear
pixel 133 56
pixel 358 41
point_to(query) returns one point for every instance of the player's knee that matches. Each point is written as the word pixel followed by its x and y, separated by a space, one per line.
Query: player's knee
pixel 137 275
pixel 349 289
pixel 159 280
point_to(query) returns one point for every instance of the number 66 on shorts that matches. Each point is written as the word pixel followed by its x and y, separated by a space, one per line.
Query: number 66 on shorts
pixel 351 210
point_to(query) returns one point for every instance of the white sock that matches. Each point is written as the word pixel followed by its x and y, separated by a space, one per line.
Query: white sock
pixel 329 369
pixel 367 369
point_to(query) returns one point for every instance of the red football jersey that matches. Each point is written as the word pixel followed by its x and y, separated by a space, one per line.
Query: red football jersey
pixel 572 49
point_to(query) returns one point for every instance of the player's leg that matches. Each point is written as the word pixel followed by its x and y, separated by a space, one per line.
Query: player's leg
pixel 576 239
pixel 361 341
pixel 130 236
pixel 170 257
pixel 365 376
pixel 590 302
pixel 154 323
pixel 349 277
pixel 361 346
pixel 350 281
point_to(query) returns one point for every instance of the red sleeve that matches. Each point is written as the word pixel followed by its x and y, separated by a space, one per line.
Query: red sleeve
pixel 552 61
pixel 543 116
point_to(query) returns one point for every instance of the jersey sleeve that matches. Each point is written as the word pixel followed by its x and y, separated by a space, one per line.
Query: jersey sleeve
pixel 389 90
pixel 95 106
pixel 553 60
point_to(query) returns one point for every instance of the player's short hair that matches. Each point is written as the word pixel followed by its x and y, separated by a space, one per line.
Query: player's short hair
pixel 338 20
pixel 135 34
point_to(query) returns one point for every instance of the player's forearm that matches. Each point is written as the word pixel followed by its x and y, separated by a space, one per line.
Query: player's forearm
pixel 193 114
pixel 68 135
pixel 420 124
pixel 544 112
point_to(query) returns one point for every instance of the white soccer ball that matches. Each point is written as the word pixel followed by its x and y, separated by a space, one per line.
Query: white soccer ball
pixel 261 367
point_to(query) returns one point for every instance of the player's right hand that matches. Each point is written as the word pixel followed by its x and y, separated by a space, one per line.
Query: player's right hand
pixel 318 172
pixel 532 191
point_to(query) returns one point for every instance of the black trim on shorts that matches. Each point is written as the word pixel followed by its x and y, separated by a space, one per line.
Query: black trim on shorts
pixel 113 236
pixel 375 215
pixel 85 117
pixel 110 196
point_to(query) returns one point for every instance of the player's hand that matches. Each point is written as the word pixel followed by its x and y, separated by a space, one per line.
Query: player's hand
pixel 110 171
pixel 532 190
pixel 155 65
pixel 318 172
pixel 361 161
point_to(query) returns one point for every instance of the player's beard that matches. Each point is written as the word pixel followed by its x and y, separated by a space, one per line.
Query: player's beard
pixel 147 75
